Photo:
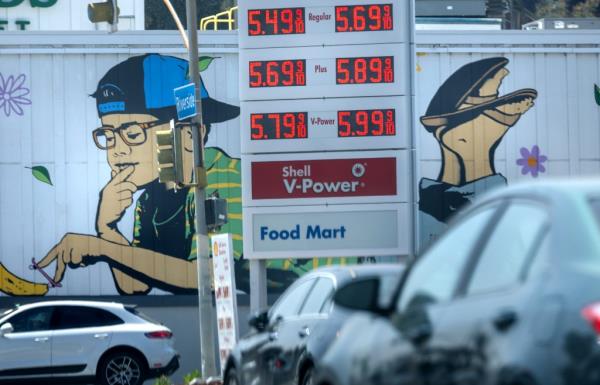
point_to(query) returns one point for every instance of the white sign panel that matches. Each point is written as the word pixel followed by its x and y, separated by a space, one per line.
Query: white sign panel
pixel 274 23
pixel 324 72
pixel 326 178
pixel 323 125
pixel 225 294
pixel 328 231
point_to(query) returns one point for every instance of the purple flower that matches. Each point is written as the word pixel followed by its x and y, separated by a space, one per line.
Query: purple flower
pixel 531 161
pixel 12 94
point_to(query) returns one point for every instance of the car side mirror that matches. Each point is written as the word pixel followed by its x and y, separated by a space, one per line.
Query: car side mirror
pixel 361 294
pixel 259 320
pixel 6 329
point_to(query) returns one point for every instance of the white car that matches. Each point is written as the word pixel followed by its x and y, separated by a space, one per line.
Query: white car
pixel 102 342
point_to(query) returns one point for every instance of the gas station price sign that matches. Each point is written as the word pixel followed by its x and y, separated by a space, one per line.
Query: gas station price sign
pixel 341 71
pixel 269 23
pixel 317 124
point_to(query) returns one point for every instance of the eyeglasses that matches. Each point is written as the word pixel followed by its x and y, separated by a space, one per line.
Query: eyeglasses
pixel 132 133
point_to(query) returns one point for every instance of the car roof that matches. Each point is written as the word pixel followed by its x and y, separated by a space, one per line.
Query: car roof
pixel 345 273
pixel 550 188
pixel 111 305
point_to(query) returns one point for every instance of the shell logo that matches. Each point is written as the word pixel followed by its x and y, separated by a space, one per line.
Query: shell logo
pixel 215 248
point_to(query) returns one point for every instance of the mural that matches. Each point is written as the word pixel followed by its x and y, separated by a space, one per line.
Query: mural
pixel 468 118
pixel 135 99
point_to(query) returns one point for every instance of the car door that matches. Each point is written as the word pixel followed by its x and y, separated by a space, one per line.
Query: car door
pixel 80 335
pixel 258 353
pixel 26 350
pixel 396 349
pixel 493 331
pixel 293 335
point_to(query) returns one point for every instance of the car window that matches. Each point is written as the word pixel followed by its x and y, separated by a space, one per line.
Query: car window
pixel 320 292
pixel 73 317
pixel 32 320
pixel 291 301
pixel 509 248
pixel 435 275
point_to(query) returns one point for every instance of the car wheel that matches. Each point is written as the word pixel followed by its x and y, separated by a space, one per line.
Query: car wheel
pixel 308 377
pixel 121 368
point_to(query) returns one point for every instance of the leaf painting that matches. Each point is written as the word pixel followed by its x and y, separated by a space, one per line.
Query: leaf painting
pixel 204 62
pixel 41 173
pixel 597 94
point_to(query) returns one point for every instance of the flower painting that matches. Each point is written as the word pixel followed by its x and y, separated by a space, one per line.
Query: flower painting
pixel 531 161
pixel 13 94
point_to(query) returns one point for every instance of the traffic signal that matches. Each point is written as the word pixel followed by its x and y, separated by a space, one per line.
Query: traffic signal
pixel 169 156
pixel 106 11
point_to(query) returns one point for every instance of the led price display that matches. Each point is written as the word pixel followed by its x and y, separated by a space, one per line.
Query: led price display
pixel 276 21
pixel 277 73
pixel 360 18
pixel 281 125
pixel 360 70
pixel 377 122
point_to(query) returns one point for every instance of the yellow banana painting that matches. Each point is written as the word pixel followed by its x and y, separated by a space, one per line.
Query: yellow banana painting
pixel 12 285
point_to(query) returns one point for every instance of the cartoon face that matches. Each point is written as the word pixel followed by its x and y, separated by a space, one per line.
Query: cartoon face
pixel 129 141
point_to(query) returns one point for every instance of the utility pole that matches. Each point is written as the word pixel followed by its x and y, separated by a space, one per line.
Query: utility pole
pixel 206 313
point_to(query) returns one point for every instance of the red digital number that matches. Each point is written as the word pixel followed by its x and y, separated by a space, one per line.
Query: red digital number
pixel 344 126
pixel 301 127
pixel 375 18
pixel 275 21
pixel 359 123
pixel 253 21
pixel 376 69
pixel 272 74
pixel 287 68
pixel 387 17
pixel 276 73
pixel 343 72
pixel 360 70
pixel 287 18
pixel 256 128
pixel 377 120
pixel 289 122
pixel 271 18
pixel 255 74
pixel 358 18
pixel 341 19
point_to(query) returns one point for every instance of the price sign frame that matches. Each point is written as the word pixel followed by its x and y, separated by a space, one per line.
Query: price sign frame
pixel 359 227
pixel 321 124
pixel 321 69
pixel 320 24
pixel 403 176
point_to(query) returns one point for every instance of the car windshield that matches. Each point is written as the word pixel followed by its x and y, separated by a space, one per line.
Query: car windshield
pixel 5 312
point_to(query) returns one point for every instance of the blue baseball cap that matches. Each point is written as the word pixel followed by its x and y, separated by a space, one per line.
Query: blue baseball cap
pixel 144 84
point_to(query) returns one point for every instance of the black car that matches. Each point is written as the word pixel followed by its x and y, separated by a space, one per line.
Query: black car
pixel 510 295
pixel 287 340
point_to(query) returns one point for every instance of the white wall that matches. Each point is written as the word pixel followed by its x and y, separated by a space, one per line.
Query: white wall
pixel 62 69
pixel 71 15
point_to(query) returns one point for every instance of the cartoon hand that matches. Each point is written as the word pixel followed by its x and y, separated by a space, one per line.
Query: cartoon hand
pixel 468 149
pixel 115 198
pixel 73 250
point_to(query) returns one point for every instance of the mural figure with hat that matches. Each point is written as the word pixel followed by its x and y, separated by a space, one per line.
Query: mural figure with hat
pixel 468 118
pixel 135 99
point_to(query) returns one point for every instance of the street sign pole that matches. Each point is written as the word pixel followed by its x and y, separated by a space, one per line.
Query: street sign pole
pixel 206 312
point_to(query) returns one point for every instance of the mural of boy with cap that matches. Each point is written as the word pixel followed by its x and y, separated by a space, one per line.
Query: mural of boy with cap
pixel 468 118
pixel 134 100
